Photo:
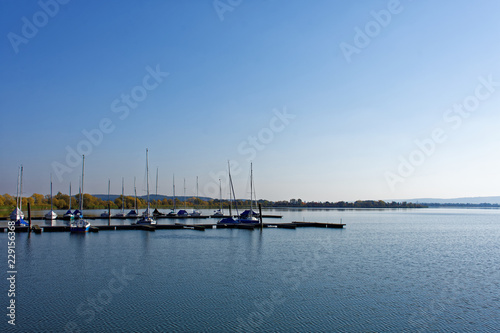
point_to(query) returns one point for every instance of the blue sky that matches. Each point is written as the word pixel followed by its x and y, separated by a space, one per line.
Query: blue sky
pixel 268 81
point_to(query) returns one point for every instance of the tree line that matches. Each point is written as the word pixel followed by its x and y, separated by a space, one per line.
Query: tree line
pixel 61 201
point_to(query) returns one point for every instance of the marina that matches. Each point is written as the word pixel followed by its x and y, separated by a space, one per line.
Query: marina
pixel 201 227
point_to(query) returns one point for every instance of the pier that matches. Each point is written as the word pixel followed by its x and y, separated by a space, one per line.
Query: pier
pixel 200 227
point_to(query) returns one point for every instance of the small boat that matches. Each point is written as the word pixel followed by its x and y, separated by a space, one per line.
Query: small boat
pixel 182 213
pixel 157 213
pixel 77 214
pixel 146 217
pixel 51 215
pixel 69 215
pixel 80 225
pixel 218 213
pixel 247 213
pixel 16 214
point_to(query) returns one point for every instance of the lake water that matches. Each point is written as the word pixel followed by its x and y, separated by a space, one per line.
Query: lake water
pixel 407 270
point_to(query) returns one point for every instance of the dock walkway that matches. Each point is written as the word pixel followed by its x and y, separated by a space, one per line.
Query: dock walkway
pixel 201 227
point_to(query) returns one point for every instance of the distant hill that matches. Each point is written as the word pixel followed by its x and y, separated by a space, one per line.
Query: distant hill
pixel 467 200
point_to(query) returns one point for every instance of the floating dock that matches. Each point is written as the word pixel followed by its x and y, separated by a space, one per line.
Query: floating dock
pixel 41 218
pixel 200 227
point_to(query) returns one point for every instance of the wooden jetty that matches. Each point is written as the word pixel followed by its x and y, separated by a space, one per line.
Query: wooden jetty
pixel 41 218
pixel 200 227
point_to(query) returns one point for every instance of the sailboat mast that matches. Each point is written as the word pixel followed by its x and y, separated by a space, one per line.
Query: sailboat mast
pixel 80 193
pixel 220 195
pixel 83 173
pixel 251 190
pixel 17 187
pixel 173 187
pixel 147 178
pixel 109 186
pixel 156 187
pixel 21 191
pixel 185 193
pixel 51 206
pixel 135 194
pixel 69 196
pixel 232 189
pixel 123 199
pixel 196 203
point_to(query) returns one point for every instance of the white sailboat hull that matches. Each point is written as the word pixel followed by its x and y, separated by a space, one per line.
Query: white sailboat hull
pixel 51 215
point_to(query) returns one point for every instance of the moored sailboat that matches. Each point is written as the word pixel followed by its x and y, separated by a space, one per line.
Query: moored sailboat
pixel 172 212
pixel 133 212
pixel 219 212
pixel 230 219
pixel 69 215
pixel 183 212
pixel 146 217
pixel 51 215
pixel 249 216
pixel 195 211
pixel 77 212
pixel 17 214
pixel 80 225
pixel 156 212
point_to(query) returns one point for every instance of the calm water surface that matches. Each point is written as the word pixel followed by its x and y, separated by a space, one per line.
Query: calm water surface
pixel 387 271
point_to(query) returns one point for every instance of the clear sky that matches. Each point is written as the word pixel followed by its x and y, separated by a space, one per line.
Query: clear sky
pixel 330 100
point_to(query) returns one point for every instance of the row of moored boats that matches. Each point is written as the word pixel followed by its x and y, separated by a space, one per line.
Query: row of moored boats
pixel 79 224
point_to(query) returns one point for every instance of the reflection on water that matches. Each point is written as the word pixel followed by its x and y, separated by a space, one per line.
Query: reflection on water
pixel 389 270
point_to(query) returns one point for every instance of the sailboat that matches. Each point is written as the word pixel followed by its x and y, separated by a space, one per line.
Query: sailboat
pixel 249 216
pixel 172 212
pixel 77 213
pixel 196 212
pixel 133 212
pixel 183 212
pixel 156 212
pixel 146 218
pixel 51 215
pixel 122 214
pixel 219 213
pixel 17 214
pixel 69 215
pixel 105 213
pixel 230 219
pixel 80 225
